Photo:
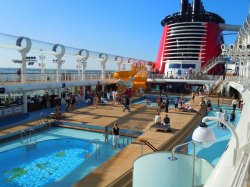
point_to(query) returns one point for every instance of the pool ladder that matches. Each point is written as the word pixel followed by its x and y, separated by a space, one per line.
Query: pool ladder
pixel 97 144
pixel 30 138
pixel 42 122
pixel 133 131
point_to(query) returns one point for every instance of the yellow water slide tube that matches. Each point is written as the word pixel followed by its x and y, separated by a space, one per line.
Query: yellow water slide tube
pixel 124 75
pixel 139 73
pixel 140 79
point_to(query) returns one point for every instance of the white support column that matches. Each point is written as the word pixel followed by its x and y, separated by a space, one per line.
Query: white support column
pixel 123 67
pixel 59 54
pixel 59 91
pixel 103 58
pixel 23 69
pixel 84 66
pixel 59 70
pixel 24 50
pixel 83 55
pixel 79 67
pixel 119 60
pixel 25 102
pixel 42 65
pixel 103 68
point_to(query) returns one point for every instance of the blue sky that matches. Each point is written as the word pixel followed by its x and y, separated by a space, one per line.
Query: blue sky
pixel 128 28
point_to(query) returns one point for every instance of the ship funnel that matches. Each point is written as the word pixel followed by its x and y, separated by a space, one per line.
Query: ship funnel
pixel 196 6
pixel 184 7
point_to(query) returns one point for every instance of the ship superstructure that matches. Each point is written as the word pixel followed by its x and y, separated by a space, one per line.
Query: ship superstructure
pixel 191 39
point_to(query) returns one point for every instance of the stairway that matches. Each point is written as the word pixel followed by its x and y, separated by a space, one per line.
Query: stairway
pixel 212 62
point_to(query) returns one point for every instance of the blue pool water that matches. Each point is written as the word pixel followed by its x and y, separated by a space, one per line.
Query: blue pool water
pixel 150 100
pixel 213 153
pixel 61 157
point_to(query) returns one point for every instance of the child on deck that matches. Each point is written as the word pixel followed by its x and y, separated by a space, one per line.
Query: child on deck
pixel 106 134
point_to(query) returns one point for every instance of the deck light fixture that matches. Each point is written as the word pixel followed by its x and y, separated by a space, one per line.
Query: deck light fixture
pixel 204 135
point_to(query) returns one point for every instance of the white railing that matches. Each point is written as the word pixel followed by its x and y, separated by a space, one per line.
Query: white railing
pixel 6 78
pixel 217 82
pixel 184 76
pixel 241 80
pixel 241 173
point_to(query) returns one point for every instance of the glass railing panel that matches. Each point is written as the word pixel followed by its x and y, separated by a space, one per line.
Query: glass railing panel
pixel 157 168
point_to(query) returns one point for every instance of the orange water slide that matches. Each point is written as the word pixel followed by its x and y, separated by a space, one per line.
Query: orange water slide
pixel 124 75
pixel 139 74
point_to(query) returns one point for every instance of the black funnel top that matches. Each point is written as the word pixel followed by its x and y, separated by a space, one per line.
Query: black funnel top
pixel 194 13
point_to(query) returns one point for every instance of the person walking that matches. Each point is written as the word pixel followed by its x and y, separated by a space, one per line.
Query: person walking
pixel 116 136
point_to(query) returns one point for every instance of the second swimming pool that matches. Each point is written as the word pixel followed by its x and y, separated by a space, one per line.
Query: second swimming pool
pixel 60 157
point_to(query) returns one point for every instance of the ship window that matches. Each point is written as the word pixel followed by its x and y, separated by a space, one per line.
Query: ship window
pixel 174 66
pixel 187 66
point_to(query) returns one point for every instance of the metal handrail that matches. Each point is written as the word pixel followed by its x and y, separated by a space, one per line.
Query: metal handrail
pixel 133 131
pixel 23 132
pixel 211 63
pixel 32 132
pixel 128 134
pixel 97 144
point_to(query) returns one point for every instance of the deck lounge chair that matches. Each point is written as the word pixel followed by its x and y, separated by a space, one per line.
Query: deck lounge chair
pixel 160 127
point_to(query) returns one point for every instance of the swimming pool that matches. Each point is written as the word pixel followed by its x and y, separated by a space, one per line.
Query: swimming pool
pixel 150 100
pixel 213 153
pixel 60 157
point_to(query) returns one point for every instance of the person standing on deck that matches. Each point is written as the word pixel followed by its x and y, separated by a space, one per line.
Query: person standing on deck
pixel 108 95
pixel 106 134
pixel 193 96
pixel 232 117
pixel 159 103
pixel 116 136
pixel 19 75
pixel 166 103
pixel 234 104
